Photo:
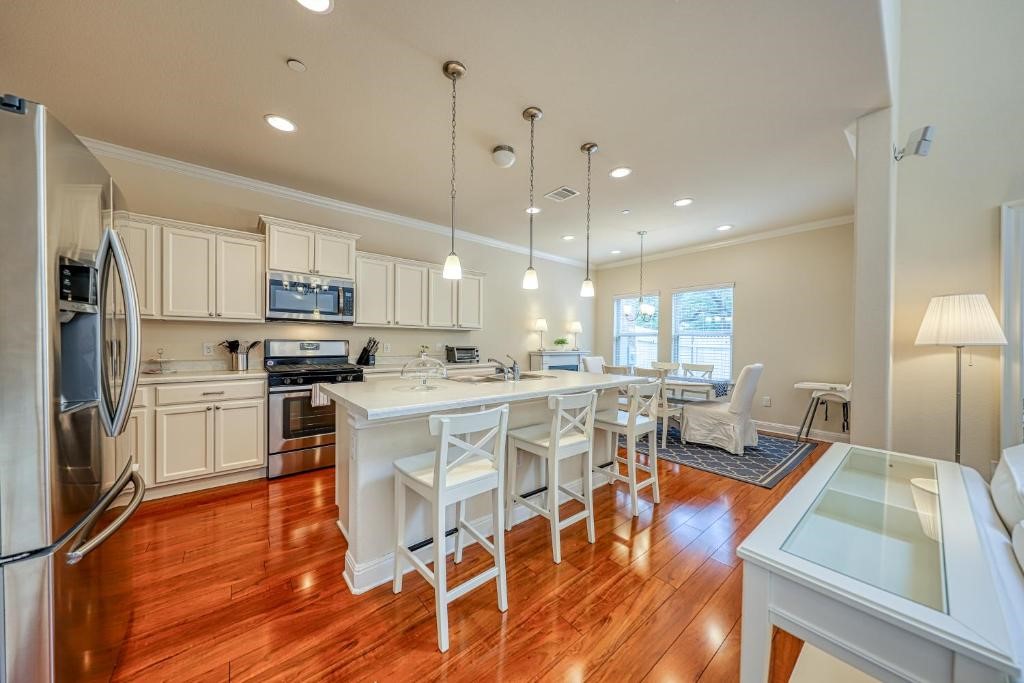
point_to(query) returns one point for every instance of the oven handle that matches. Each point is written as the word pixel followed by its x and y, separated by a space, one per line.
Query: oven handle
pixel 285 392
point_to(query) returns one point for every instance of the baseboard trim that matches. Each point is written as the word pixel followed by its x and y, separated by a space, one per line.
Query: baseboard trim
pixel 790 430
pixel 158 491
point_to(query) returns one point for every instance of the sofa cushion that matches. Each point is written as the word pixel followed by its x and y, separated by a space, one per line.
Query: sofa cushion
pixel 1008 486
pixel 1018 543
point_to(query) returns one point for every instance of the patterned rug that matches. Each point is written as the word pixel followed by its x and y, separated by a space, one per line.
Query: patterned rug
pixel 766 465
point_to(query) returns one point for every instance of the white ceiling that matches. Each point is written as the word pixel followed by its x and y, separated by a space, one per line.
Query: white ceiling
pixel 740 105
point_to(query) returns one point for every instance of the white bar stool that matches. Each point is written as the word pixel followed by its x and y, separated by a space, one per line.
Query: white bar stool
pixel 570 433
pixel 666 410
pixel 640 419
pixel 454 473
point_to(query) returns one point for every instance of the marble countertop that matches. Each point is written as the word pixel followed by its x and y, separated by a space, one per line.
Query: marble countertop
pixel 386 368
pixel 386 397
pixel 200 376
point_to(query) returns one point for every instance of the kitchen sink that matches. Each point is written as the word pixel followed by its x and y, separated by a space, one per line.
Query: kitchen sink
pixel 479 379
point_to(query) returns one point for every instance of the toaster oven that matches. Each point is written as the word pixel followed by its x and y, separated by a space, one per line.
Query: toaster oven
pixel 462 354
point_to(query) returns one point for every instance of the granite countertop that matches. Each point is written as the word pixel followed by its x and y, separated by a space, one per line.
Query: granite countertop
pixel 384 368
pixel 200 376
pixel 389 397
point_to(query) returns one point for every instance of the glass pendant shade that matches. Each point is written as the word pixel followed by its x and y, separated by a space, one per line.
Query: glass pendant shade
pixel 452 268
pixel 530 279
pixel 587 288
pixel 646 309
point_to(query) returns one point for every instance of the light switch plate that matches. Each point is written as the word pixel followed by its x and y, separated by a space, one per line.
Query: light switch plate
pixel 208 348
pixel 766 401
pixel 386 348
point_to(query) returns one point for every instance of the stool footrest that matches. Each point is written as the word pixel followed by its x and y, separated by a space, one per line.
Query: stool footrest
pixel 418 565
pixel 572 519
pixel 484 543
pixel 469 584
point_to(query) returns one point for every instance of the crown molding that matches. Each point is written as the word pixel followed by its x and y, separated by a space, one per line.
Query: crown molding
pixel 135 156
pixel 745 239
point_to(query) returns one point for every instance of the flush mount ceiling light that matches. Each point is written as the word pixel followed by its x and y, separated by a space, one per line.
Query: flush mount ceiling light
pixel 587 287
pixel 620 172
pixel 280 123
pixel 625 212
pixel 503 156
pixel 685 201
pixel 296 65
pixel 452 266
pixel 531 114
pixel 723 228
pixel 616 251
pixel 568 238
pixel 318 6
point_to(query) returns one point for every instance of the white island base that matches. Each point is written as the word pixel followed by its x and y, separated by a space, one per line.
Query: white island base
pixel 380 421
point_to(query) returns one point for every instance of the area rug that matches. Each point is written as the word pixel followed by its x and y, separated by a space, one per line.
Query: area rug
pixel 766 465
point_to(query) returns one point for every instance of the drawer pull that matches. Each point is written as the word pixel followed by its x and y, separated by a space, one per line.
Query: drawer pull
pixel 213 393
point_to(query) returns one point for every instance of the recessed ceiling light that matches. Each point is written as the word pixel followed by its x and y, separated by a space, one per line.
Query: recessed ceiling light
pixel 296 65
pixel 723 228
pixel 625 212
pixel 616 251
pixel 620 172
pixel 533 209
pixel 280 123
pixel 568 238
pixel 318 6
pixel 685 201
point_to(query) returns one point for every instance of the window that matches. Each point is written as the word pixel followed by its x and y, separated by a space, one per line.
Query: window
pixel 702 328
pixel 636 343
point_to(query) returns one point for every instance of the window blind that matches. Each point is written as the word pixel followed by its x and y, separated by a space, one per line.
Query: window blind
pixel 636 343
pixel 702 328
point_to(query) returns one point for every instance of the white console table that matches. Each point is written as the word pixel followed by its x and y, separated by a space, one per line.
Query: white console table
pixel 550 359
pixel 876 559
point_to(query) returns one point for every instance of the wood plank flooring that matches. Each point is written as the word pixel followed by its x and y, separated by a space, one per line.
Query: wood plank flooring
pixel 243 583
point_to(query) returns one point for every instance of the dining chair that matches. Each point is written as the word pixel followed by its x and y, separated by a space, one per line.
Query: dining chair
pixel 725 424
pixel 666 410
pixel 593 364
pixel 696 371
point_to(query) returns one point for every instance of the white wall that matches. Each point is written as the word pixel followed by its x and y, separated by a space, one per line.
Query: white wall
pixel 508 308
pixel 961 69
pixel 793 310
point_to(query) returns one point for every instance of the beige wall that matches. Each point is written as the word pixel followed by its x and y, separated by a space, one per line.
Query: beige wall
pixel 793 310
pixel 508 308
pixel 961 71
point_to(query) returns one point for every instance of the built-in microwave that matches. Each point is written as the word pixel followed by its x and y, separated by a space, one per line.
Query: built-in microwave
pixel 313 298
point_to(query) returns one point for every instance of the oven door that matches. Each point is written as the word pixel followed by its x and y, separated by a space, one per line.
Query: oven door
pixel 292 423
pixel 303 297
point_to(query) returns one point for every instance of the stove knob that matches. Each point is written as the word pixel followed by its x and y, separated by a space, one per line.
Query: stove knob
pixel 287 380
pixel 299 380
pixel 338 378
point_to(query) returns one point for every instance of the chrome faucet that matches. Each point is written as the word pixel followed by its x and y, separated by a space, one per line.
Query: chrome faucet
pixel 509 372
pixel 516 373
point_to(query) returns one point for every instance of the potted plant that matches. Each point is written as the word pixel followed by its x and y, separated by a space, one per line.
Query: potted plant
pixel 561 343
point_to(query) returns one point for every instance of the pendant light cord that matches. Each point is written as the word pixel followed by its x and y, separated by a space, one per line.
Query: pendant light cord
pixel 453 164
pixel 641 269
pixel 590 156
pixel 533 121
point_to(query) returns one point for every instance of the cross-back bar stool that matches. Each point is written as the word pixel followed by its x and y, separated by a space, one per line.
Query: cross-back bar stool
pixel 641 418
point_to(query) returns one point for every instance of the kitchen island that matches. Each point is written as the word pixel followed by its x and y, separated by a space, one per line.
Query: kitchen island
pixel 382 420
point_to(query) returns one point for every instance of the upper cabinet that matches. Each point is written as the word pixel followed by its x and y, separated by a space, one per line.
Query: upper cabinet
pixel 471 302
pixel 410 294
pixel 239 278
pixel 442 300
pixel 142 243
pixel 375 294
pixel 298 248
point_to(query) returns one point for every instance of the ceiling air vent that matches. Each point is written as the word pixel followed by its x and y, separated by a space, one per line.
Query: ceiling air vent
pixel 561 194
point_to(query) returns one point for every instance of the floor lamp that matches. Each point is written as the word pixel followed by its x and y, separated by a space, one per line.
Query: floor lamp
pixel 960 320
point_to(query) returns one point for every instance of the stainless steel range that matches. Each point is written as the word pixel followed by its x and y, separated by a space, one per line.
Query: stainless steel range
pixel 300 436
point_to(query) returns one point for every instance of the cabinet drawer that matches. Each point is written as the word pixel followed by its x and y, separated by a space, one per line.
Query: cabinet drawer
pixel 208 391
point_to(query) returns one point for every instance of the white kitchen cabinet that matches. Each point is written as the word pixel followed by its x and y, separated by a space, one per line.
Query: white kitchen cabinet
pixel 189 273
pixel 239 434
pixel 471 302
pixel 134 444
pixel 442 300
pixel 239 278
pixel 411 286
pixel 335 256
pixel 184 442
pixel 375 298
pixel 298 248
pixel 142 243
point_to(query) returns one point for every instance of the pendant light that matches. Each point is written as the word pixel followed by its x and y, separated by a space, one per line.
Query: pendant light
pixel 645 312
pixel 531 114
pixel 452 266
pixel 587 288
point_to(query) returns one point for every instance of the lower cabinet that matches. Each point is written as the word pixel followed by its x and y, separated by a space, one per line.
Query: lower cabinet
pixel 134 444
pixel 198 439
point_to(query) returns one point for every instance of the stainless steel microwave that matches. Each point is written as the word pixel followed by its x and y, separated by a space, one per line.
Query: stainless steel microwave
pixel 298 296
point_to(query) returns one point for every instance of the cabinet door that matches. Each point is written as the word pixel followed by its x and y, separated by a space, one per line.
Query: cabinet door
pixel 471 302
pixel 374 291
pixel 335 256
pixel 239 278
pixel 134 445
pixel 184 442
pixel 410 295
pixel 441 300
pixel 142 242
pixel 290 249
pixel 239 435
pixel 189 261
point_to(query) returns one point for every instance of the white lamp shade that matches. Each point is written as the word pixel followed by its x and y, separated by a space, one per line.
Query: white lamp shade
pixel 960 320
pixel 587 289
pixel 540 325
pixel 575 327
pixel 530 278
pixel 452 268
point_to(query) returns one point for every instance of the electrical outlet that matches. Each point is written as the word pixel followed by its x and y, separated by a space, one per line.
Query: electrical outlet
pixel 439 346
pixel 208 348
pixel 385 347
pixel 766 401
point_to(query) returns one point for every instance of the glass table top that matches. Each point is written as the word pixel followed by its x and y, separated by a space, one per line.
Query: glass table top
pixel 877 520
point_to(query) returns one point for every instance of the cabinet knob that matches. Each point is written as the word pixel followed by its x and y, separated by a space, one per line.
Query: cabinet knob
pixel 220 314
pixel 211 314
pixel 209 407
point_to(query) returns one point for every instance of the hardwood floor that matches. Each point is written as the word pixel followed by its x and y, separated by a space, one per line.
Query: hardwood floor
pixel 244 583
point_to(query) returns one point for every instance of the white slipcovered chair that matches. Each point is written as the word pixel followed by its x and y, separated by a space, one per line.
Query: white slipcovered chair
pixel 725 424
pixel 593 364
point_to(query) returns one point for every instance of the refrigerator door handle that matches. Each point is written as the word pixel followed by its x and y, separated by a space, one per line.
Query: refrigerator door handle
pixel 83 547
pixel 113 247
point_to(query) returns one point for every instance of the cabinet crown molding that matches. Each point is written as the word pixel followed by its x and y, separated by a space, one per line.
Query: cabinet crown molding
pixel 266 221
pixel 121 217
pixel 414 262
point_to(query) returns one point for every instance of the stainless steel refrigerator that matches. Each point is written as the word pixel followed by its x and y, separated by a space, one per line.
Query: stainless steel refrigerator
pixel 69 333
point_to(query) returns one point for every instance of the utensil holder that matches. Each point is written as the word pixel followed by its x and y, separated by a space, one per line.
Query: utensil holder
pixel 240 361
